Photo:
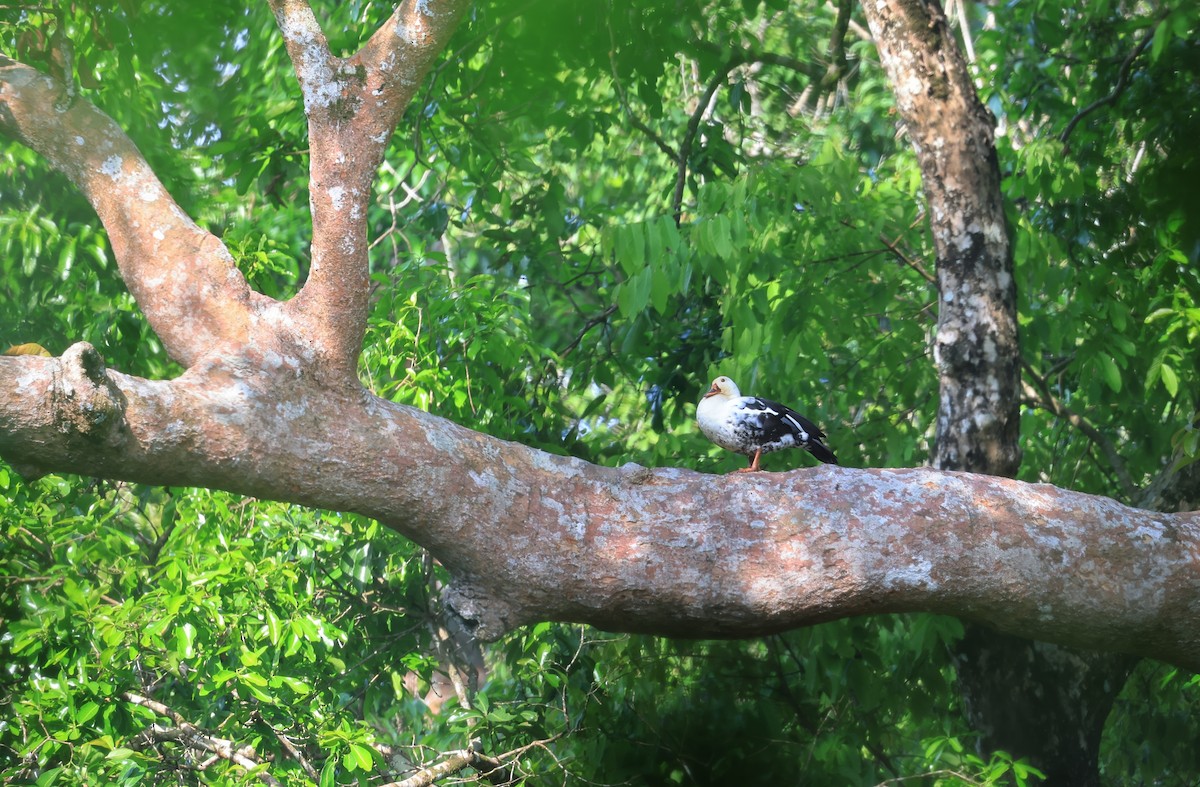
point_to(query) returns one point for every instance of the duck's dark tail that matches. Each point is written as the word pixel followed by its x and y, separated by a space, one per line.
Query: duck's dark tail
pixel 821 452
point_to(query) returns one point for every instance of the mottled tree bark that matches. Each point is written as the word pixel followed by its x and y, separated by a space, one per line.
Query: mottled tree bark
pixel 1032 699
pixel 976 348
pixel 528 536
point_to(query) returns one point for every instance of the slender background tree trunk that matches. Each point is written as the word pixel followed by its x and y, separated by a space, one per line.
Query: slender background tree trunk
pixel 1032 699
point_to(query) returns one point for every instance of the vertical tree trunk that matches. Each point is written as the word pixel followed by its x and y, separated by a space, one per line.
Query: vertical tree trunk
pixel 1034 700
pixel 976 349
pixel 1040 701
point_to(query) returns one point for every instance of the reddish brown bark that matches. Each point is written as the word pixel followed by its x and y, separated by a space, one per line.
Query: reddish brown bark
pixel 529 536
pixel 182 276
pixel 353 105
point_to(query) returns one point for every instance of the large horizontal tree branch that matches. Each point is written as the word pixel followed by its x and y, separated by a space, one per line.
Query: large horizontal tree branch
pixel 529 536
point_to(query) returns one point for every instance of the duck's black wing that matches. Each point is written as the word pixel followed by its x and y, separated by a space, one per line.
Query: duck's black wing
pixel 770 425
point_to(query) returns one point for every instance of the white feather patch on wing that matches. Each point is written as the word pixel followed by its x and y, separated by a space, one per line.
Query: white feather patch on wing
pixel 803 432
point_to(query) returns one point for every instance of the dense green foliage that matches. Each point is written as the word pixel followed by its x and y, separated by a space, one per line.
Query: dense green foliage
pixel 532 282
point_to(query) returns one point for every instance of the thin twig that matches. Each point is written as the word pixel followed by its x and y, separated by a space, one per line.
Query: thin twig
pixel 693 128
pixel 900 255
pixel 471 758
pixel 1118 89
pixel 748 56
pixel 634 120
pixel 965 779
pixel 965 28
pixel 1042 395
pixel 455 761
pixel 591 323
pixel 744 57
pixel 294 752
pixel 160 542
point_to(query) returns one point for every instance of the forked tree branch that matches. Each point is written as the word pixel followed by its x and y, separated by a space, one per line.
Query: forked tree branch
pixel 183 277
pixel 353 105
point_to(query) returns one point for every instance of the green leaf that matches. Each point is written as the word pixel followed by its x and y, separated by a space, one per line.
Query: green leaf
pixel 1158 313
pixel 634 294
pixel 1170 379
pixel 721 237
pixel 295 684
pixel 501 715
pixel 655 243
pixel 252 678
pixel 223 676
pixel 660 288
pixel 329 773
pixel 86 712
pixel 185 638
pixel 361 756
pixel 49 777
pixel 1112 374
pixel 631 248
pixel 66 259
pixel 251 658
pixel 274 626
pixel 1162 36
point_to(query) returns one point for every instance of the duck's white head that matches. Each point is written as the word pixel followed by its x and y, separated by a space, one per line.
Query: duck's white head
pixel 723 386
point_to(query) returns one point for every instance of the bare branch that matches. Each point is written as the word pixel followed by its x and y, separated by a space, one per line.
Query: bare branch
pixel 693 128
pixel 455 761
pixel 497 770
pixel 295 753
pixel 592 322
pixel 958 9
pixel 1118 88
pixel 190 735
pixel 738 58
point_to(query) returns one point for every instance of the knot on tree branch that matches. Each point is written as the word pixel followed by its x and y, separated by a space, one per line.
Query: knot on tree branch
pixel 85 400
pixel 635 474
pixel 472 613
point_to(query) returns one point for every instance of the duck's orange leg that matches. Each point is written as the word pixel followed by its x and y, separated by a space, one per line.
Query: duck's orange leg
pixel 753 468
